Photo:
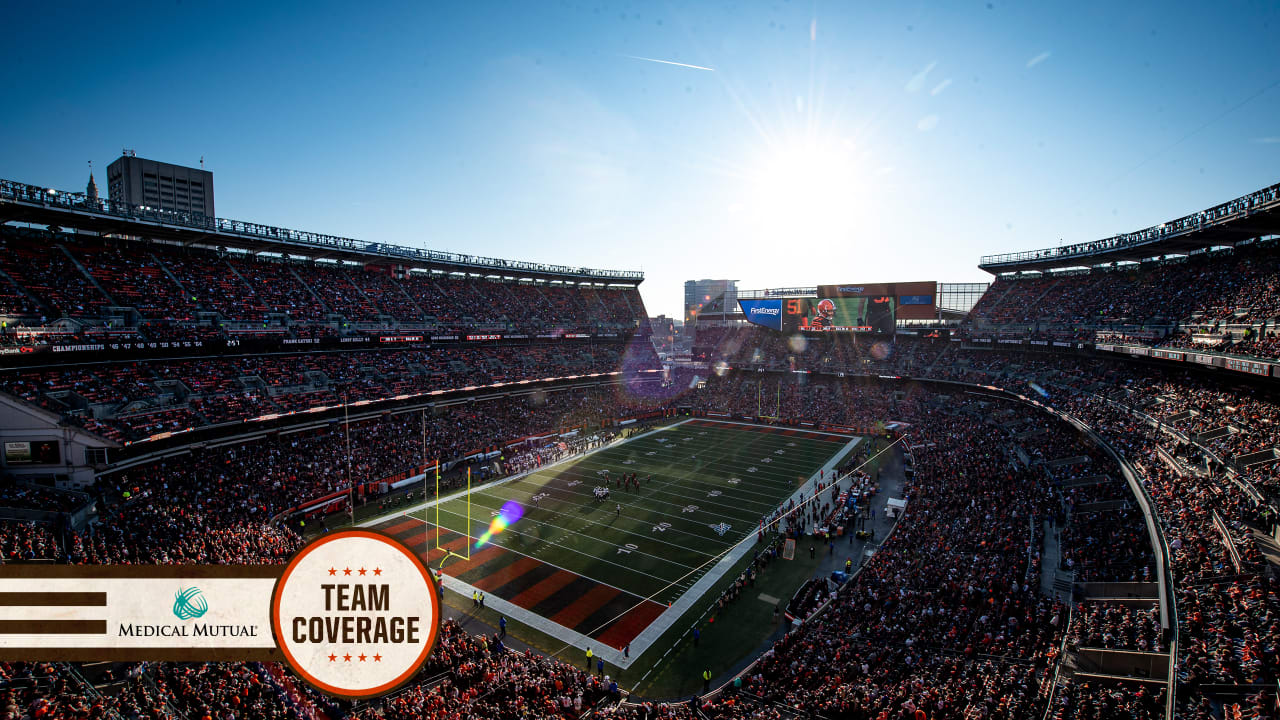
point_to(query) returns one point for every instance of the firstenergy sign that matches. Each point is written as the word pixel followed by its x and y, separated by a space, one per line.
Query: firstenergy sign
pixel 763 312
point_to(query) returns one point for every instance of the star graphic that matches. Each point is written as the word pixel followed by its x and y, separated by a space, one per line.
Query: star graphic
pixel 362 657
pixel 346 658
pixel 333 571
pixel 377 658
pixel 362 571
pixel 377 571
pixel 346 571
pixel 333 658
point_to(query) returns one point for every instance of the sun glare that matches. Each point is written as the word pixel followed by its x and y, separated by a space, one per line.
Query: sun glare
pixel 811 186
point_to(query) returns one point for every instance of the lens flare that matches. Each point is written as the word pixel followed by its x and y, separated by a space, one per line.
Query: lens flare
pixel 797 343
pixel 881 350
pixel 641 386
pixel 1038 389
pixel 506 517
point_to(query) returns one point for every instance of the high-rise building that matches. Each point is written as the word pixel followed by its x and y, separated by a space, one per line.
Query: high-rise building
pixel 662 325
pixel 662 332
pixel 153 184
pixel 698 293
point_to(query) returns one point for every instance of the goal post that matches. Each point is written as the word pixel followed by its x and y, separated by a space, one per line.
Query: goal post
pixel 448 553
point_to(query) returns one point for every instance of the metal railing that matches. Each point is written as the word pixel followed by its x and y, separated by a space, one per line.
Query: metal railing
pixel 1264 199
pixel 88 689
pixel 33 195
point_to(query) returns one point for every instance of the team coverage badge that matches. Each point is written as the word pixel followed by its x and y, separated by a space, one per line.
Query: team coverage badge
pixel 355 613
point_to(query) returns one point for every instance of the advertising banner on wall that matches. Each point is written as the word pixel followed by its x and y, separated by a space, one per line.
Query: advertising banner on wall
pixel 763 312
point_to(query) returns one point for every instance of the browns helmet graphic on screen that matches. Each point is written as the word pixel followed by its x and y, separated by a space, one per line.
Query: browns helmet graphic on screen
pixel 825 316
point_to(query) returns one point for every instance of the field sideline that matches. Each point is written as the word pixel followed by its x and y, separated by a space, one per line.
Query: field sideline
pixel 600 573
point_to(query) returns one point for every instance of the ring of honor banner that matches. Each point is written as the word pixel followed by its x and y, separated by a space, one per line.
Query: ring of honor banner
pixel 354 613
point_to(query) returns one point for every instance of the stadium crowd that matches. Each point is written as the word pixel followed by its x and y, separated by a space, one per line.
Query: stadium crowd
pixel 945 621
pixel 214 505
pixel 945 598
pixel 941 620
pixel 1226 596
pixel 164 291
pixel 132 400
pixel 1225 617
pixel 1211 511
pixel 1116 626
pixel 476 676
pixel 1239 286
pixel 1098 700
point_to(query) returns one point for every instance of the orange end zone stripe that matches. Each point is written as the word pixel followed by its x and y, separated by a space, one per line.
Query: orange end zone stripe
pixel 479 558
pixel 453 545
pixel 402 526
pixel 582 609
pixel 543 590
pixel 506 574
pixel 630 625
pixel 414 540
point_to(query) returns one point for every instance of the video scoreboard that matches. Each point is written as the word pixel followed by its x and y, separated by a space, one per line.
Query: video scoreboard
pixel 872 308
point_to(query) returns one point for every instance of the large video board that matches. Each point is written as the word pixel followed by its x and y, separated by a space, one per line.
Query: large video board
pixel 792 315
pixel 868 307
pixel 911 300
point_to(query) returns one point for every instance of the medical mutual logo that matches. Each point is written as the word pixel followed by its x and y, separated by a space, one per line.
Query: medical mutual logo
pixel 141 613
pixel 189 604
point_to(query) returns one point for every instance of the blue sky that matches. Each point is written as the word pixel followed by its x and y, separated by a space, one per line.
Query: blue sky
pixel 831 142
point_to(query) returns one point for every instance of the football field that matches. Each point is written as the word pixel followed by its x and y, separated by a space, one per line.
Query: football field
pixel 607 569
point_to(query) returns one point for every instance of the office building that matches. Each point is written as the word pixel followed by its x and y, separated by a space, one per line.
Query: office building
pixel 164 186
pixel 698 293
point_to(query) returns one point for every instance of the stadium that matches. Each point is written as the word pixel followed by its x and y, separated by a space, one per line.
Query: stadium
pixel 1053 494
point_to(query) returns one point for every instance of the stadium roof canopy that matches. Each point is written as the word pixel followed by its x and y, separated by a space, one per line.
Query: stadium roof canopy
pixel 1249 217
pixel 20 202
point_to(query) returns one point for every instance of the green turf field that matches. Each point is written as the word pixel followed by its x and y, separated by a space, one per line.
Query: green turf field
pixel 703 489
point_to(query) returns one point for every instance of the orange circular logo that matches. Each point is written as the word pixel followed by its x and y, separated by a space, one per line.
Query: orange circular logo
pixel 355 613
